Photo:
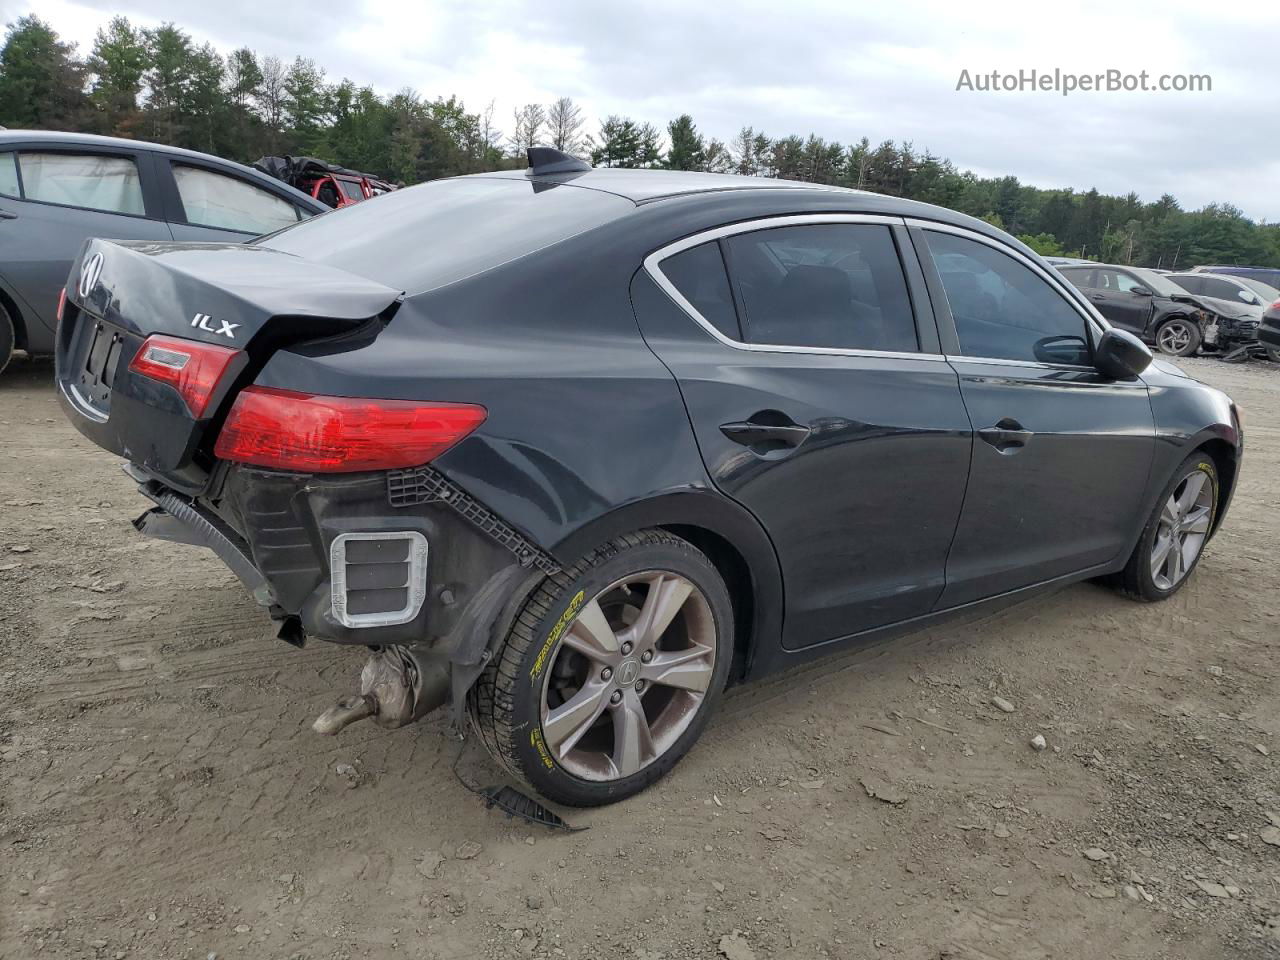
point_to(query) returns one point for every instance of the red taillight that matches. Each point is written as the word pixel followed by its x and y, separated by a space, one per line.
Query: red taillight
pixel 302 431
pixel 62 303
pixel 1274 306
pixel 193 369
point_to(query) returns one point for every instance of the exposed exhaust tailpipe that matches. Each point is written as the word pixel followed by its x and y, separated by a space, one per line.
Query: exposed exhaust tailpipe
pixel 396 689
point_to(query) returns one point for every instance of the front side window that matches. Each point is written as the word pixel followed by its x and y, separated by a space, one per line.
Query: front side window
pixel 834 285
pixel 91 181
pixel 1003 309
pixel 215 200
pixel 352 189
pixel 9 175
pixel 699 274
pixel 1191 284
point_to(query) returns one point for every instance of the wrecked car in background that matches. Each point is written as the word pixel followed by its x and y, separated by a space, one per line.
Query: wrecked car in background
pixel 332 185
pixel 1159 311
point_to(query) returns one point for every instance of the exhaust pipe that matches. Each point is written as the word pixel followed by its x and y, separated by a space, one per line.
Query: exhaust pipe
pixel 396 688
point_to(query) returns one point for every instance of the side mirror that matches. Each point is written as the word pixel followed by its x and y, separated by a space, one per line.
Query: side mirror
pixel 1121 356
pixel 1141 292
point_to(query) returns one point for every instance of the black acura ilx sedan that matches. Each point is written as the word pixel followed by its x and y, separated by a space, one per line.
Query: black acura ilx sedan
pixel 570 450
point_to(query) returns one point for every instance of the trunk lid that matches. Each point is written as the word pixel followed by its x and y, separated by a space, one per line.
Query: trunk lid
pixel 245 298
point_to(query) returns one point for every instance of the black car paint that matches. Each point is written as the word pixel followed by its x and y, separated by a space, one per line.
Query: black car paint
pixel 33 270
pixel 600 392
pixel 1140 314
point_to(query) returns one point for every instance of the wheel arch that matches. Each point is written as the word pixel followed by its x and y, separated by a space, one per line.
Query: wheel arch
pixel 1225 458
pixel 733 540
pixel 20 339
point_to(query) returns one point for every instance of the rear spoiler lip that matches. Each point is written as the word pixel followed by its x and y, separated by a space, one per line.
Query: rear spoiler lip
pixel 223 293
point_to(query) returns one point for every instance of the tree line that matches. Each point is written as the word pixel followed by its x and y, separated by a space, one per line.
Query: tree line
pixel 158 84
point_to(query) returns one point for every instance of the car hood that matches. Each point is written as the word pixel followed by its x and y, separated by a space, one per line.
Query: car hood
pixel 1223 308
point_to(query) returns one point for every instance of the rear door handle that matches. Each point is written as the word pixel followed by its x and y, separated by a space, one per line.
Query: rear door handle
pixel 1007 436
pixel 766 431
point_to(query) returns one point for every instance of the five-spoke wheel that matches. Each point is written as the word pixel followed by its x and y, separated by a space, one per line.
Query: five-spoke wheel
pixel 629 675
pixel 1183 527
pixel 610 670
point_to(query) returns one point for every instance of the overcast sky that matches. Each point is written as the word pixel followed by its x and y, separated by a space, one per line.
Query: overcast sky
pixel 822 67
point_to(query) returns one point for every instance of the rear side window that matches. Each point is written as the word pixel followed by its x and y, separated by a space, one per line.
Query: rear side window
pixel 1003 309
pixel 352 189
pixel 9 175
pixel 443 231
pixel 214 200
pixel 1118 282
pixel 1080 278
pixel 699 274
pixel 91 181
pixel 833 285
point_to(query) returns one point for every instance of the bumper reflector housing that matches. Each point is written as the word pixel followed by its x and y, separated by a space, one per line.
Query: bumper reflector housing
pixel 377 579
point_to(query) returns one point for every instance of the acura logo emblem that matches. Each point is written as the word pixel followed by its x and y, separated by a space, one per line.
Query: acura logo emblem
pixel 627 672
pixel 89 275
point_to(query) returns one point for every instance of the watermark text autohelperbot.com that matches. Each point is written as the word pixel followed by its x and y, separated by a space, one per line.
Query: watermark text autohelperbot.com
pixel 1065 83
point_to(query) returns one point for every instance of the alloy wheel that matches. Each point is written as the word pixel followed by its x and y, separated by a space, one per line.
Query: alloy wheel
pixel 629 675
pixel 1174 337
pixel 1181 529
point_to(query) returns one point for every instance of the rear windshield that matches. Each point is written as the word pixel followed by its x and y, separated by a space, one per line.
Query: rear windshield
pixel 436 233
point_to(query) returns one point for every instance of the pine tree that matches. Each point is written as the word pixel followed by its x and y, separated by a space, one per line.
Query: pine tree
pixel 687 150
pixel 41 81
pixel 119 62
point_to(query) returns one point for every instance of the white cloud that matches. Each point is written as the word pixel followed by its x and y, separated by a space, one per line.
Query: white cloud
pixel 832 68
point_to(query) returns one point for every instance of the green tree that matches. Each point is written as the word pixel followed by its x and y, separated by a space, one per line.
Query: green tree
pixel 305 103
pixel 618 144
pixel 1044 244
pixel 41 81
pixel 688 151
pixel 169 52
pixel 119 63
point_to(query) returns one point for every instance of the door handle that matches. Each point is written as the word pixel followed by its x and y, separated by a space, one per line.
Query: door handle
pixel 7 215
pixel 1008 436
pixel 767 431
pixel 1096 296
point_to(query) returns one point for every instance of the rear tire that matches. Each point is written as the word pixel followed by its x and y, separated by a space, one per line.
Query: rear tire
pixel 1174 538
pixel 7 338
pixel 1178 337
pixel 610 671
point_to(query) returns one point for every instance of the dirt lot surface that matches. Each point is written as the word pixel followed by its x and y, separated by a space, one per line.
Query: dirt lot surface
pixel 162 795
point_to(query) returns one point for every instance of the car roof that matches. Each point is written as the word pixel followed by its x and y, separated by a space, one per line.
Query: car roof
pixel 647 188
pixel 64 138
pixel 643 186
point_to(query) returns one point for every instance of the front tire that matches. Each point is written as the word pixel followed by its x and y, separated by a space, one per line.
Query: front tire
pixel 610 671
pixel 1178 337
pixel 1173 540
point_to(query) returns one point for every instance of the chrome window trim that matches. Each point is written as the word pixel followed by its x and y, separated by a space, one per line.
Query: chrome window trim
pixel 1095 322
pixel 653 260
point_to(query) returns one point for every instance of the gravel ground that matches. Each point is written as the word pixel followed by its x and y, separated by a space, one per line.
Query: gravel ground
pixel 161 794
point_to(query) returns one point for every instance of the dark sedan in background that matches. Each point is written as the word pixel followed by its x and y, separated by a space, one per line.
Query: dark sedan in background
pixel 58 189
pixel 572 449
pixel 1150 305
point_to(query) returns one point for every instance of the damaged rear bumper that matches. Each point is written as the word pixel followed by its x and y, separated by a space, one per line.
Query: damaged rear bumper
pixel 401 561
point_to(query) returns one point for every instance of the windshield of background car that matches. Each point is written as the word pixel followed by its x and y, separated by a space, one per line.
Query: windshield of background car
pixel 1158 283
pixel 443 231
